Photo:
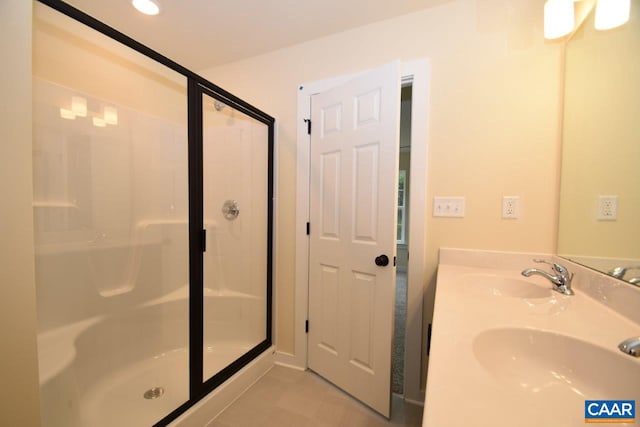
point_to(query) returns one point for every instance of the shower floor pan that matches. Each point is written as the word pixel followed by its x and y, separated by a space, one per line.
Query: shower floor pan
pixel 119 399
pixel 132 368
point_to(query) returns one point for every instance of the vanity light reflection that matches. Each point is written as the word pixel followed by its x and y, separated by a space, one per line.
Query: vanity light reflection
pixel 67 114
pixel 79 106
pixel 111 115
pixel 79 109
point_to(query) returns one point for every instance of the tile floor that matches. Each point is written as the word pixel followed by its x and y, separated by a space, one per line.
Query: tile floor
pixel 286 397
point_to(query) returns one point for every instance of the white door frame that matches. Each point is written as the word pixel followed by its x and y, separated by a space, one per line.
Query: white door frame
pixel 416 72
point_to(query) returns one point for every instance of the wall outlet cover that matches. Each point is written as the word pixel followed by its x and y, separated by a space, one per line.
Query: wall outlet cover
pixel 607 208
pixel 511 207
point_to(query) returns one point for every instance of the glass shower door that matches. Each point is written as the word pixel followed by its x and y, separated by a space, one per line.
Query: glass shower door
pixel 236 215
pixel 111 229
pixel 135 158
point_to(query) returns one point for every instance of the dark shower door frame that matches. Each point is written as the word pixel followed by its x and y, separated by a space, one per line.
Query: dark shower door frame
pixel 198 86
pixel 197 244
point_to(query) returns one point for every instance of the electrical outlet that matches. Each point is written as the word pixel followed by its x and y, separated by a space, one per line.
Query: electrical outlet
pixel 511 207
pixel 607 208
pixel 452 207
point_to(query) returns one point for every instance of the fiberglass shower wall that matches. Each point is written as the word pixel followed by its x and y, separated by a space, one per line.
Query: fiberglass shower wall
pixel 120 338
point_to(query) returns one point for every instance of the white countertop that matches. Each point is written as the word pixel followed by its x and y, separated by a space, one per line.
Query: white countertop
pixel 479 375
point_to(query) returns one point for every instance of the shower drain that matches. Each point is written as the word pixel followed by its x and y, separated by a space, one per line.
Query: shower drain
pixel 154 393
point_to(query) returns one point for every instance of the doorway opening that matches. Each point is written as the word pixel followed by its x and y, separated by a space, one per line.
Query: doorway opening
pixel 403 234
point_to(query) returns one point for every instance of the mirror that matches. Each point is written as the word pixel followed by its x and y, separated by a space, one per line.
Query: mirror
pixel 599 223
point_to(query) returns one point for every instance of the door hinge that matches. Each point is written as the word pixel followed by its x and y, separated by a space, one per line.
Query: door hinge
pixel 204 240
pixel 428 339
pixel 308 122
pixel 306 326
pixel 308 229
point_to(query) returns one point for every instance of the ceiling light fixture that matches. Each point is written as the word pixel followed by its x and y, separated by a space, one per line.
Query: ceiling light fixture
pixel 148 7
pixel 612 13
pixel 559 18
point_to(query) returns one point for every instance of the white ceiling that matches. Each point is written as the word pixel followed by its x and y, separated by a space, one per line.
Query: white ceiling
pixel 204 33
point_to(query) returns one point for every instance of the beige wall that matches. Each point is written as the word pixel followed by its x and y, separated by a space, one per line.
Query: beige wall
pixel 19 404
pixel 493 125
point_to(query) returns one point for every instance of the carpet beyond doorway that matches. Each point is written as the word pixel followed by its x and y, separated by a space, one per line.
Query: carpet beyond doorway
pixel 397 367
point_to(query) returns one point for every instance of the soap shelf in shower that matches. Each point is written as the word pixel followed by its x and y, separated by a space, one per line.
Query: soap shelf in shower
pixel 54 204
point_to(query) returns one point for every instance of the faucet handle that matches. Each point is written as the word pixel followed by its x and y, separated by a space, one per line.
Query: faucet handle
pixel 561 269
pixel 563 272
pixel 555 266
pixel 558 268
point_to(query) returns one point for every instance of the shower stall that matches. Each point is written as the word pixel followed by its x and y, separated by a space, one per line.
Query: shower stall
pixel 153 221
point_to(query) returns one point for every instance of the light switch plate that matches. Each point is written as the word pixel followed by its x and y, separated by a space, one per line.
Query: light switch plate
pixel 450 207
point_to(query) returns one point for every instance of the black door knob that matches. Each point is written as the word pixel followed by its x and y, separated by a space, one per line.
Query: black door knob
pixel 382 260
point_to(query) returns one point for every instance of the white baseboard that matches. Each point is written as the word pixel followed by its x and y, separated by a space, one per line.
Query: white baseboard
pixel 288 360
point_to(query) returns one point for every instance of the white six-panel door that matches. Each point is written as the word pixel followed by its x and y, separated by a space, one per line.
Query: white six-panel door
pixel 353 216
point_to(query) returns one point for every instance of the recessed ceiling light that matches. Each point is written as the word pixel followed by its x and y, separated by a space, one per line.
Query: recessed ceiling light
pixel 148 7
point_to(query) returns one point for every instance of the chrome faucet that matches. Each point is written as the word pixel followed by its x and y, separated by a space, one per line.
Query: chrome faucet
pixel 630 346
pixel 561 278
pixel 634 281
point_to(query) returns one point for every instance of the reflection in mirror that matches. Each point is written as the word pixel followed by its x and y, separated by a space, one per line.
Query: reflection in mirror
pixel 599 222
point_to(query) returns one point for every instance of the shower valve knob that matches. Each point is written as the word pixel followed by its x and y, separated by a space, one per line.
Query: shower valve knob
pixel 230 210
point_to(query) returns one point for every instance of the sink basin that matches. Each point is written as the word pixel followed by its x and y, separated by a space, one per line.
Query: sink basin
pixel 504 286
pixel 536 361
